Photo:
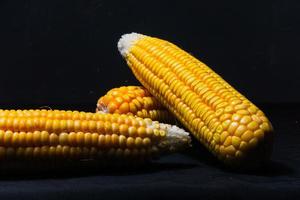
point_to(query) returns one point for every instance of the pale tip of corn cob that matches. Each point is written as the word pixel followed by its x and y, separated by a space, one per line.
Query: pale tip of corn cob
pixel 176 138
pixel 126 41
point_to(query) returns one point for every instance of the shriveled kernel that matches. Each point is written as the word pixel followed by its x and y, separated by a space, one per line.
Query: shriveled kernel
pixel 247 136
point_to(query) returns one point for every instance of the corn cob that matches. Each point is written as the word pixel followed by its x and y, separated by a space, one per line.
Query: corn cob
pixel 222 119
pixel 45 134
pixel 133 100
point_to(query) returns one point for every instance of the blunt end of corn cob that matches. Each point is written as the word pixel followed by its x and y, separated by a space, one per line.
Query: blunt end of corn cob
pixel 176 139
pixel 126 41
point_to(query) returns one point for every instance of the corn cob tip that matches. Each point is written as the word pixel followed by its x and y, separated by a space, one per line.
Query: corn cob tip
pixel 126 41
pixel 176 138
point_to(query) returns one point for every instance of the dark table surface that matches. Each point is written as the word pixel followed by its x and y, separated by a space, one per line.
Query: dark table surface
pixel 193 174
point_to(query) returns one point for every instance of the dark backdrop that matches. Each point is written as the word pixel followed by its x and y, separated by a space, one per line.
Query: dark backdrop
pixel 64 52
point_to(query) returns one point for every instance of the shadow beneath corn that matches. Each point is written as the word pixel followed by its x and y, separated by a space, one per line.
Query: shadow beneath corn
pixel 270 168
pixel 71 169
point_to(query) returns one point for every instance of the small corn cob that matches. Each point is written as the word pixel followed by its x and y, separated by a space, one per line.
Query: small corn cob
pixel 222 119
pixel 46 134
pixel 133 100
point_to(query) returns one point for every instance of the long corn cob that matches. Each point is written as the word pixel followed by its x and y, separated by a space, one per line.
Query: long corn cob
pixel 227 123
pixel 133 100
pixel 44 134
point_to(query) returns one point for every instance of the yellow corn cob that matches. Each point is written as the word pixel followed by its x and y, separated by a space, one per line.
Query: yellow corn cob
pixel 222 119
pixel 133 100
pixel 80 135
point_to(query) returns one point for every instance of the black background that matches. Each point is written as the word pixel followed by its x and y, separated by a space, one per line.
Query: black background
pixel 63 54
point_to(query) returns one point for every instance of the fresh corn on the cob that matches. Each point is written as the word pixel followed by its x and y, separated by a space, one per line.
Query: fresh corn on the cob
pixel 133 100
pixel 227 123
pixel 45 134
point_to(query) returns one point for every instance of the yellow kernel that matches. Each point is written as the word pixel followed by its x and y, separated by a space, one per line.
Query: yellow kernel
pixel 124 107
pixel 252 125
pixel 87 139
pixel 107 127
pixel 252 109
pixel 7 138
pixel 44 137
pixel 236 117
pixel 253 143
pixel 259 134
pixel 265 126
pixel 22 139
pixel 242 112
pixel 230 150
pixel 247 136
pixel 240 130
pixel 1 136
pixel 122 141
pixel 232 127
pixel 138 142
pixel 123 129
pixel 107 140
pixel 115 140
pixel 36 138
pixel 63 139
pixel 94 139
pixel 146 142
pixel 142 131
pixel 236 141
pixel 246 119
pixel 223 136
pixel 244 146
pixel 227 141
pixel 132 131
pixel 53 138
pixel 80 138
pixel 130 142
pixel 226 124
pixel 72 138
pixel 101 141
